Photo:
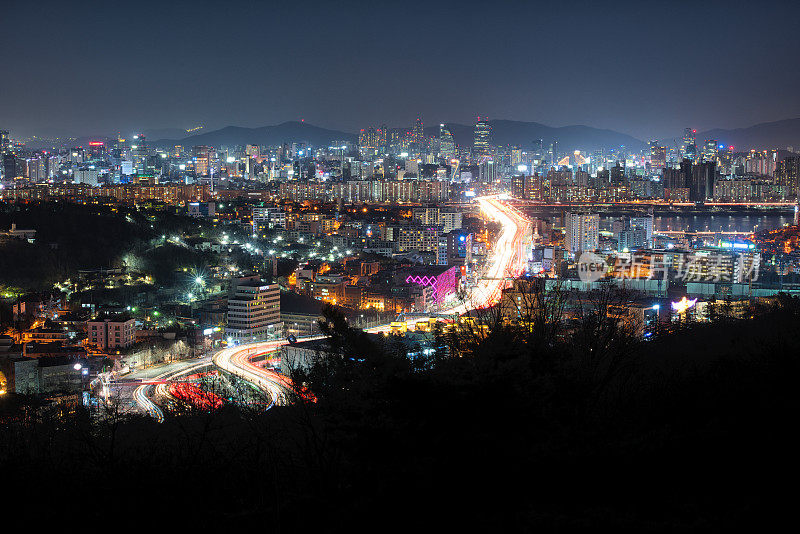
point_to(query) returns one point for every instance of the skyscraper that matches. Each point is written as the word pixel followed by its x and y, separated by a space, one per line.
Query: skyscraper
pixel 581 232
pixel 382 139
pixel 689 144
pixel 447 145
pixel 202 159
pixel 5 142
pixel 658 156
pixel 482 143
pixel 702 181
pixel 710 150
pixel 516 156
pixel 418 134
pixel 139 153
pixel 371 141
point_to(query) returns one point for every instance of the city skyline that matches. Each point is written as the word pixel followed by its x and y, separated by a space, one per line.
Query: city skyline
pixel 349 66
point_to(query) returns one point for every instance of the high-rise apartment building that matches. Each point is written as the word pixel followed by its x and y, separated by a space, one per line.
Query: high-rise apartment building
pixel 451 220
pixel 267 218
pixel 581 232
pixel 370 141
pixel 787 174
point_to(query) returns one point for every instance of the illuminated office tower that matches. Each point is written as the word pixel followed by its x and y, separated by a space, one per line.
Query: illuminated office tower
pixel 5 142
pixel 554 153
pixel 418 134
pixel 710 150
pixel 447 145
pixel 416 139
pixel 97 149
pixel 254 310
pixel 658 156
pixel 202 159
pixel 689 144
pixel 139 153
pixel 482 142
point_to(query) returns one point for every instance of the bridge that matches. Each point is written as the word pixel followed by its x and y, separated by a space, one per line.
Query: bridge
pixel 679 233
pixel 649 203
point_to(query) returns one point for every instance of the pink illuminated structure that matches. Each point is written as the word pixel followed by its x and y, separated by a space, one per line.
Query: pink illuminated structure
pixel 443 284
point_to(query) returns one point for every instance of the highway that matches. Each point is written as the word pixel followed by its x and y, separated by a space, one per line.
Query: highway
pixel 237 360
pixel 142 393
pixel 508 260
pixel 508 255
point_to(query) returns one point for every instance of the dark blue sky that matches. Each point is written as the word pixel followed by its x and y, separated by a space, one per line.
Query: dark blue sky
pixel 646 68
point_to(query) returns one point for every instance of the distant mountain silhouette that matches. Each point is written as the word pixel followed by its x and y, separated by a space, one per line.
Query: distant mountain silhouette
pixel 286 132
pixel 524 134
pixel 768 135
pixel 765 135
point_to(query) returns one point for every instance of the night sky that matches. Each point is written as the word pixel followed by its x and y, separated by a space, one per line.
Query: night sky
pixel 643 68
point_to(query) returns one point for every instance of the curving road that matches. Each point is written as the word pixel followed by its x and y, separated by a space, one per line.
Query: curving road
pixel 143 393
pixel 141 396
pixel 508 255
pixel 508 260
pixel 238 361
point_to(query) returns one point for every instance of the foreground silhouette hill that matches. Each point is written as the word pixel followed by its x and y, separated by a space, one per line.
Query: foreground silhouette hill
pixel 691 432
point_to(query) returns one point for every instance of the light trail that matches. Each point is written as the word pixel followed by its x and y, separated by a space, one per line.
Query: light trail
pixel 141 397
pixel 508 260
pixel 237 361
pixel 143 392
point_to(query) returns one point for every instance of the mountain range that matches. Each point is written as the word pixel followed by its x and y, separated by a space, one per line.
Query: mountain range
pixel 504 132
pixel 526 134
pixel 767 135
pixel 285 132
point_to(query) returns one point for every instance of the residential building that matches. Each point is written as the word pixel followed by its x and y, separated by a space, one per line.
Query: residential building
pixel 111 333
pixel 581 232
